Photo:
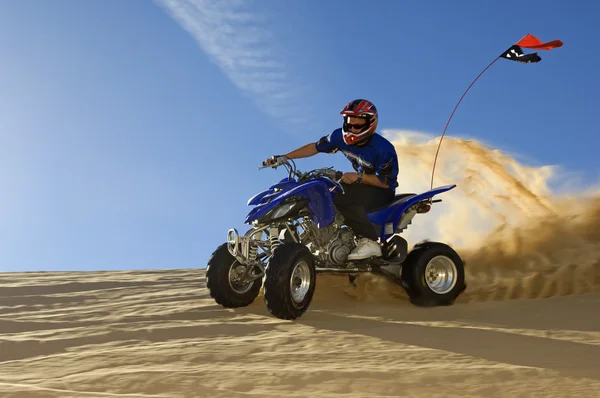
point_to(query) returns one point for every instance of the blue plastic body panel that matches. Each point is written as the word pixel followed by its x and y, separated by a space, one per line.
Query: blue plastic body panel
pixel 320 191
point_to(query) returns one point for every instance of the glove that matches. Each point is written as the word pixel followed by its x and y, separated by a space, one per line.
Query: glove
pixel 275 160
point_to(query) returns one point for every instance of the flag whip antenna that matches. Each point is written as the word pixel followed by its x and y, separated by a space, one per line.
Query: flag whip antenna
pixel 452 114
pixel 513 53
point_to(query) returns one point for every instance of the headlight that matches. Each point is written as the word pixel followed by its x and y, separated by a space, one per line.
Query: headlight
pixel 285 210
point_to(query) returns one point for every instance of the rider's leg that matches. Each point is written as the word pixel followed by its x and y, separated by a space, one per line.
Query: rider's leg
pixel 354 205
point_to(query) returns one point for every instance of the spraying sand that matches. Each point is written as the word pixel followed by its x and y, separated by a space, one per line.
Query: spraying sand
pixel 518 238
pixel 159 334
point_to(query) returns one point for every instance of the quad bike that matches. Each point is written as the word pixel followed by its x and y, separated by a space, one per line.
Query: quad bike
pixel 297 232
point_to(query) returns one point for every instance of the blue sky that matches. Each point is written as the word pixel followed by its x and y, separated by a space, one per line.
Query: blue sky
pixel 131 131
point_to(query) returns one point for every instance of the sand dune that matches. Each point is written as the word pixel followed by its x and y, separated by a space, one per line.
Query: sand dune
pixel 158 334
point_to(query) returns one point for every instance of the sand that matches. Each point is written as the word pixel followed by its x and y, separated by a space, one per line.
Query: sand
pixel 159 334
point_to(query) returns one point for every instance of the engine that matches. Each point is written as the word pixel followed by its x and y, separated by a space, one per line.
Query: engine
pixel 339 248
pixel 333 242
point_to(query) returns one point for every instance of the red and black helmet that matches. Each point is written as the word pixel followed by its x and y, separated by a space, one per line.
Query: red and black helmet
pixel 363 109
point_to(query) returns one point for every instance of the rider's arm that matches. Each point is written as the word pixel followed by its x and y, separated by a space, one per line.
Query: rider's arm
pixel 387 172
pixel 329 143
pixel 303 152
pixel 373 179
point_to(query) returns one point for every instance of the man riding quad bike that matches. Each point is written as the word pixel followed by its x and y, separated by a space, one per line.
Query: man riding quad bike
pixel 328 221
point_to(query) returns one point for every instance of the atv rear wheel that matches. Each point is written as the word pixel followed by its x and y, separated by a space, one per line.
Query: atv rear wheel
pixel 290 281
pixel 223 280
pixel 433 275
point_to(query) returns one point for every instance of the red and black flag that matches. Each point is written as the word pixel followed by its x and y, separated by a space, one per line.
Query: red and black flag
pixel 515 52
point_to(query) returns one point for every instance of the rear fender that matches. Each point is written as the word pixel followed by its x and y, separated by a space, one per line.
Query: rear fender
pixel 394 219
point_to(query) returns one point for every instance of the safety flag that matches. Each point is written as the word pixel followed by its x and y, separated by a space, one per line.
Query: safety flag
pixel 515 52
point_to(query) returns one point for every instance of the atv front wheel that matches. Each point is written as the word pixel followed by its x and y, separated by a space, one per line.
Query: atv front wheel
pixel 290 281
pixel 224 282
pixel 433 275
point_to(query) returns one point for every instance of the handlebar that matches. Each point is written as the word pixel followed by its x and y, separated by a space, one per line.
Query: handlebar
pixel 328 172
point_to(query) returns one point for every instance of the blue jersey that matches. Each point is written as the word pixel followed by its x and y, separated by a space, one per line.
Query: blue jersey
pixel 378 156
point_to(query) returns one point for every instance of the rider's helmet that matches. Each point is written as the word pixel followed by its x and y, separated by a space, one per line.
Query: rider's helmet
pixel 359 108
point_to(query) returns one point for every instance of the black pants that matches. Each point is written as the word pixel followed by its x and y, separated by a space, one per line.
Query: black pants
pixel 358 200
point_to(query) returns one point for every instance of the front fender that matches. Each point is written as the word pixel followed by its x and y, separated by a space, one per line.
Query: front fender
pixel 258 197
pixel 283 184
pixel 317 191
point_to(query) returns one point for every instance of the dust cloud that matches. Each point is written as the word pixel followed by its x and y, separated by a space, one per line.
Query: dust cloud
pixel 518 237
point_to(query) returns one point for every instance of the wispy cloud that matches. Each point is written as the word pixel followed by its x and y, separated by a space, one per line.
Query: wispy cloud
pixel 239 42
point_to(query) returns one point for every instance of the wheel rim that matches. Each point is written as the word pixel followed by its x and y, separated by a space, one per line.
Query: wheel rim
pixel 440 274
pixel 300 281
pixel 236 271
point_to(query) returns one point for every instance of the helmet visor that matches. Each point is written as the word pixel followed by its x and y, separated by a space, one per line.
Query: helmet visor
pixel 358 125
